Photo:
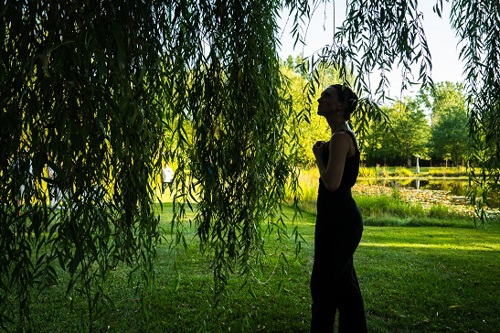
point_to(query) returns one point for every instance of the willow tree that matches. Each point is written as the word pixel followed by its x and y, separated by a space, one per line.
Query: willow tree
pixel 81 92
pixel 104 91
pixel 95 90
pixel 477 24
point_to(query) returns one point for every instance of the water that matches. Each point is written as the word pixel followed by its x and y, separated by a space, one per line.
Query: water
pixel 452 185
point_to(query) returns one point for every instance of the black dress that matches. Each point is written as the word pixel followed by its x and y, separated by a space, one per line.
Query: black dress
pixel 339 226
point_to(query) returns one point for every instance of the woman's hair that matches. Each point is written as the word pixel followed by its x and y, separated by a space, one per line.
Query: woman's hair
pixel 347 96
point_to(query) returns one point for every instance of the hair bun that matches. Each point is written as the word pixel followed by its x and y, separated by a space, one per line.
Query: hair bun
pixel 347 96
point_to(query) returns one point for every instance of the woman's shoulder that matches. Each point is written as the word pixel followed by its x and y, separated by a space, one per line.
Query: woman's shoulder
pixel 340 138
pixel 345 137
pixel 341 135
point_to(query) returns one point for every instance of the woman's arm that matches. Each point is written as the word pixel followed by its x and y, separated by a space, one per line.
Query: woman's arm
pixel 339 147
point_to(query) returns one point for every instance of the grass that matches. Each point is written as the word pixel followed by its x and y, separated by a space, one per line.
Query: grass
pixel 414 279
pixel 391 171
pixel 390 211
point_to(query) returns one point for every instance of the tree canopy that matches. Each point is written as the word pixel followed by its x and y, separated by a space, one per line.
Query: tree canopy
pixel 449 139
pixel 104 91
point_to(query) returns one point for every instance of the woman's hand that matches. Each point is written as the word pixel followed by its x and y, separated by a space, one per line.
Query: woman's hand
pixel 318 148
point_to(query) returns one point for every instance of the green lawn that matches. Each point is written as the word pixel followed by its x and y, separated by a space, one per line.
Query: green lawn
pixel 414 279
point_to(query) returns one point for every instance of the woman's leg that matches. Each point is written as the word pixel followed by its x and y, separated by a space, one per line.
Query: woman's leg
pixel 351 310
pixel 333 260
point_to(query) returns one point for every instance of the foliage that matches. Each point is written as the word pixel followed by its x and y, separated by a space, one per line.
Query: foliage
pixel 367 172
pixel 412 131
pixel 375 37
pixel 241 156
pixel 240 164
pixel 404 138
pixel 441 97
pixel 476 24
pixel 102 92
pixel 449 138
pixel 379 36
pixel 79 93
pixel 310 126
pixel 91 88
pixel 448 172
pixel 404 172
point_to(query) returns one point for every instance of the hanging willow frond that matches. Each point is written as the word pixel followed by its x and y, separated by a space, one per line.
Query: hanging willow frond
pixel 477 24
pixel 80 93
pixel 230 93
pixel 103 92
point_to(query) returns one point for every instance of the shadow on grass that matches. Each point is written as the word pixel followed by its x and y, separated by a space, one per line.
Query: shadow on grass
pixel 414 279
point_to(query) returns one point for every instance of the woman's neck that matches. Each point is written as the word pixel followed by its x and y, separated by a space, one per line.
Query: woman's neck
pixel 337 126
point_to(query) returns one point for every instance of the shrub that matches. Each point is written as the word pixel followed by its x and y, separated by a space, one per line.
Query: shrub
pixel 439 211
pixel 403 172
pixel 368 172
pixel 384 205
pixel 448 172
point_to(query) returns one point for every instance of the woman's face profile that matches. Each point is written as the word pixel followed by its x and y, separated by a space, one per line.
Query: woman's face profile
pixel 328 103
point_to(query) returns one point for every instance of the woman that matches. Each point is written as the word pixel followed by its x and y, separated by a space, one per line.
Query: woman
pixel 334 285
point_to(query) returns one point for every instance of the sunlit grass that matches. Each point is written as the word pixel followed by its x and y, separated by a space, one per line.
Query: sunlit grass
pixel 408 252
pixel 395 171
pixel 433 246
pixel 414 279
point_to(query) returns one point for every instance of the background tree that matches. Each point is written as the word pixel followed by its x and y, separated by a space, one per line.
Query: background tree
pixel 310 126
pixel 411 129
pixel 449 139
pixel 380 36
pixel 373 152
pixel 404 137
pixel 441 97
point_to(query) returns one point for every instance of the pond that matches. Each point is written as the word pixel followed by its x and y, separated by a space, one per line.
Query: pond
pixel 455 186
